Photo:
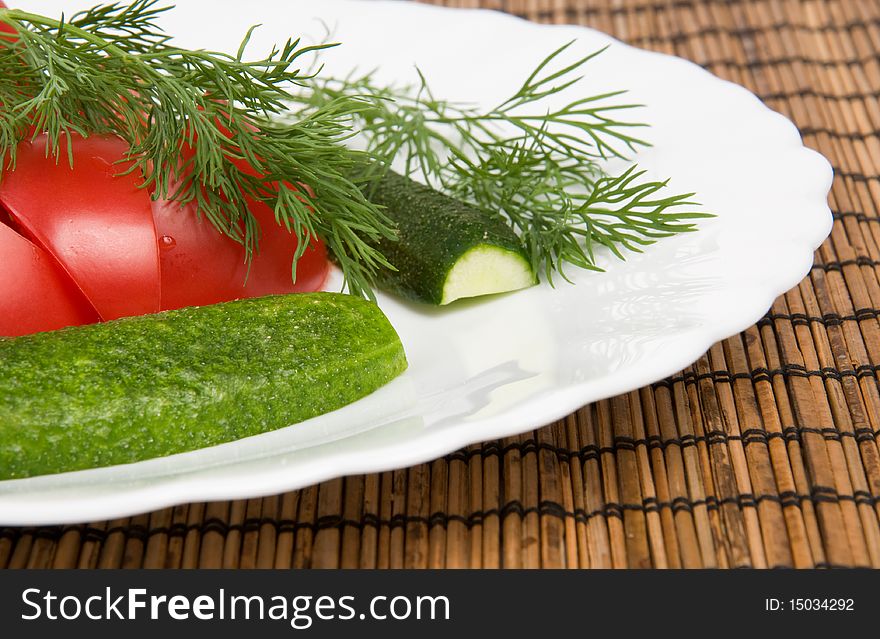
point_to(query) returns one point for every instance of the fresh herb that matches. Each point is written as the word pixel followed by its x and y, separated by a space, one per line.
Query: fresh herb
pixel 536 168
pixel 203 126
pixel 216 129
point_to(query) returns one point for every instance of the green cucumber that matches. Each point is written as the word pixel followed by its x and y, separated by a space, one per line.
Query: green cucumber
pixel 149 386
pixel 445 249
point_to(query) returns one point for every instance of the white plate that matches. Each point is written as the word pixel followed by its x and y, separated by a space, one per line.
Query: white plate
pixel 489 369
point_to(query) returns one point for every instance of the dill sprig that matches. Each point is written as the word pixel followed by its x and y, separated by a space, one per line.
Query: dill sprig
pixel 202 126
pixel 537 167
pixel 217 129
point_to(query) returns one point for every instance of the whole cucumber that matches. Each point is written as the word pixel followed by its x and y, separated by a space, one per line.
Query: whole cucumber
pixel 445 249
pixel 144 387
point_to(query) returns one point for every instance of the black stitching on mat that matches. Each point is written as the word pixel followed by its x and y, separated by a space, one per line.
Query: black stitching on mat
pixel 813 93
pixel 855 176
pixel 828 319
pixel 762 374
pixel 751 31
pixel 531 446
pixel 842 135
pixel 213 524
pixel 748 436
pixel 624 443
pixel 839 265
pixel 796 59
pixel 91 533
pixel 861 217
pixel 592 452
pixel 51 534
pixel 670 4
pixel 329 521
pixel 546 508
pixel 682 37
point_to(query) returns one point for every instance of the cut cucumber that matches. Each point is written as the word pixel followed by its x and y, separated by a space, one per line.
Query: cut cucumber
pixel 149 386
pixel 446 249
pixel 487 269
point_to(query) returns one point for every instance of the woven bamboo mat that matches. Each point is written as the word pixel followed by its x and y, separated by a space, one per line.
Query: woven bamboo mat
pixel 763 453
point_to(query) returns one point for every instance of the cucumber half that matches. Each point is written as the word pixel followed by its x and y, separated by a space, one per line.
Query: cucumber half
pixel 144 387
pixel 486 269
pixel 446 249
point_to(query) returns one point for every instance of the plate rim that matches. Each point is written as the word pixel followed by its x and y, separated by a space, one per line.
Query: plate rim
pixel 173 489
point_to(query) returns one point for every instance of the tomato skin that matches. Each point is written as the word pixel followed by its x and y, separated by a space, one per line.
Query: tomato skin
pixel 130 255
pixel 96 223
pixel 7 28
pixel 201 266
pixel 37 295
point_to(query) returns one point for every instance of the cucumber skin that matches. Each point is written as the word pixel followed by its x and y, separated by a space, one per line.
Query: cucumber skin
pixel 434 231
pixel 149 386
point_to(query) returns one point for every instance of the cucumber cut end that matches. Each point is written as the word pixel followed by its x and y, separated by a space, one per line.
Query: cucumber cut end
pixel 486 269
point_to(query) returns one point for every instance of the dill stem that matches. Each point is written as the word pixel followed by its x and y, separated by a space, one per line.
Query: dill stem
pixel 34 18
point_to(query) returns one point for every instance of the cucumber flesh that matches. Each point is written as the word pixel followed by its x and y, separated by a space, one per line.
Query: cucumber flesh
pixel 149 386
pixel 487 269
pixel 445 248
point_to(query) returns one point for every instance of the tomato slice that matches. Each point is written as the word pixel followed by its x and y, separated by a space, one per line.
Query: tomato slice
pixel 202 266
pixel 7 28
pixel 37 295
pixel 96 223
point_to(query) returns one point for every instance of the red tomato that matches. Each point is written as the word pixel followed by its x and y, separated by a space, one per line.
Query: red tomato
pixel 96 223
pixel 201 266
pixel 37 295
pixel 129 255
pixel 4 27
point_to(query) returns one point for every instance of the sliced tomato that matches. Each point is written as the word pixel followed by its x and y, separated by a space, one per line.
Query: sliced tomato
pixel 5 27
pixel 201 266
pixel 96 223
pixel 36 293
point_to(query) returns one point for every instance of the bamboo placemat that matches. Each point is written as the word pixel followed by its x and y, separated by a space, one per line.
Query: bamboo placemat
pixel 763 453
